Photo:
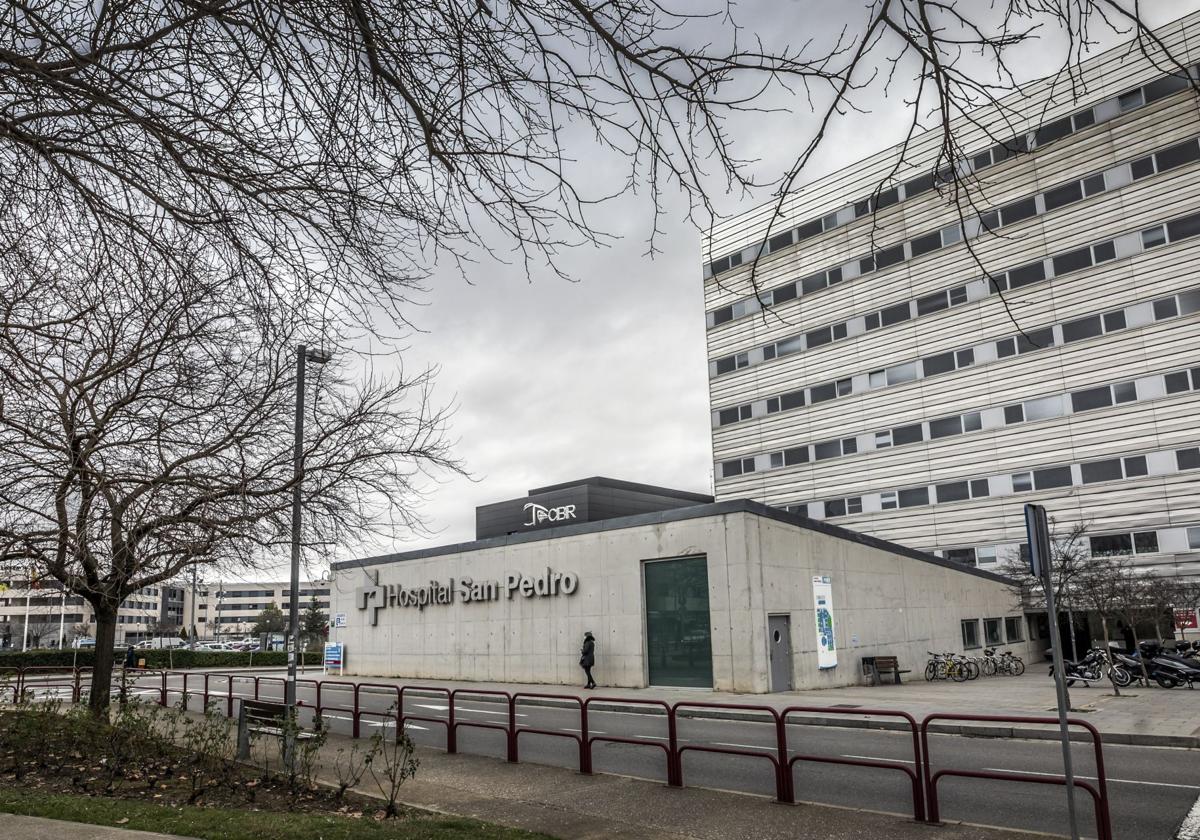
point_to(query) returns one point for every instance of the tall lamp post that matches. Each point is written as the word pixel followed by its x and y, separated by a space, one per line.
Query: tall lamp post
pixel 318 357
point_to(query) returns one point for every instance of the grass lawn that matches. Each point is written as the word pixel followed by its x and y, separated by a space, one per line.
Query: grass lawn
pixel 241 824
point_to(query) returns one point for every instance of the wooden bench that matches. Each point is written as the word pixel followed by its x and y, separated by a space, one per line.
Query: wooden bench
pixel 261 717
pixel 873 666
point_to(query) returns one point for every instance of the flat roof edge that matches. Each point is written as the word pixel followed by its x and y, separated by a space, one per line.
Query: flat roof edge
pixel 619 484
pixel 672 515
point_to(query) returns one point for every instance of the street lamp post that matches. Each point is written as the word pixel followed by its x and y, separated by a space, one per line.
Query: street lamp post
pixel 318 357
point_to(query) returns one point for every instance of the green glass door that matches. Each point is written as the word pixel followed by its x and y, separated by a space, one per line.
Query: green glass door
pixel 678 628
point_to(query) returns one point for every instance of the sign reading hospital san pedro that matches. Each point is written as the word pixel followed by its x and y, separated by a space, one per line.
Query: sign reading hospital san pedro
pixel 465 590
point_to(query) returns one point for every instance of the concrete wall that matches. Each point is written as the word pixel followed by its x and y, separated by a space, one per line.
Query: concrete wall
pixel 895 605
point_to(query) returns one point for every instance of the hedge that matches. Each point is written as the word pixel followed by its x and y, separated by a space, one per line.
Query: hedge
pixel 155 658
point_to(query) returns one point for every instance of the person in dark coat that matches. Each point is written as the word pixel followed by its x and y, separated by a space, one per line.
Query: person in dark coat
pixel 130 657
pixel 587 657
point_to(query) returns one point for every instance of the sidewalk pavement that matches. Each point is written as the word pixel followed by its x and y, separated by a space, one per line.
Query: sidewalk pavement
pixel 15 827
pixel 1147 716
pixel 562 803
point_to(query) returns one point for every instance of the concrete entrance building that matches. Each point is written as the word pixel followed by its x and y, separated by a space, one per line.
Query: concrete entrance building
pixel 678 590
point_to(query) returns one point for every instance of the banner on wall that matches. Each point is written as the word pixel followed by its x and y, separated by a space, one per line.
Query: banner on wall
pixel 335 657
pixel 826 640
pixel 1186 620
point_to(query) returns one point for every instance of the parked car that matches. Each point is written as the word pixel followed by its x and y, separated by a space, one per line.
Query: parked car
pixel 84 642
pixel 217 646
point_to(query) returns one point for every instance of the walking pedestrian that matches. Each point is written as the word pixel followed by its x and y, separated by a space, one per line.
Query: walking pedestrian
pixel 130 657
pixel 587 657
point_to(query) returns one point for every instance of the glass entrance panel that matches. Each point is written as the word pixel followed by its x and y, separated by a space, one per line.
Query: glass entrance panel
pixel 678 626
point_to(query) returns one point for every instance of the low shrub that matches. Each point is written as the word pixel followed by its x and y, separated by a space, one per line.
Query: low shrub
pixel 157 659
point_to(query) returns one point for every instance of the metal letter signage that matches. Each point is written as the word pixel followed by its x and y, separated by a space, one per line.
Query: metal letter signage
pixel 826 638
pixel 540 513
pixel 467 590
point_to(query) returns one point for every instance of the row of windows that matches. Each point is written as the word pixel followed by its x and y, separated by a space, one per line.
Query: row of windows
pixel 1122 544
pixel 1125 245
pixel 1044 478
pixel 258 607
pixel 1040 408
pixel 1135 315
pixel 1100 112
pixel 996 631
pixel 1112 178
pixel 266 593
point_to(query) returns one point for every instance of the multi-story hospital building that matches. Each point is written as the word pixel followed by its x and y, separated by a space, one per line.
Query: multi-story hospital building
pixel 871 374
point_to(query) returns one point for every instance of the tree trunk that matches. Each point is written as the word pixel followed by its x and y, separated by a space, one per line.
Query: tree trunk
pixel 102 669
pixel 1071 633
pixel 1137 648
pixel 1108 656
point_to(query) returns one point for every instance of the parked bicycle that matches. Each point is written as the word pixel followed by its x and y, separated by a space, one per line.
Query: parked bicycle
pixel 960 668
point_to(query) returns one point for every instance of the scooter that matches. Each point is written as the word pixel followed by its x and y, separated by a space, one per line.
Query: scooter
pixel 1170 670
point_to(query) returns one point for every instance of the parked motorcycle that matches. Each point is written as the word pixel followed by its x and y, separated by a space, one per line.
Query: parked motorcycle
pixel 1087 670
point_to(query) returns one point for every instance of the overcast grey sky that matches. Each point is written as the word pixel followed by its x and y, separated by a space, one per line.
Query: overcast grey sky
pixel 555 380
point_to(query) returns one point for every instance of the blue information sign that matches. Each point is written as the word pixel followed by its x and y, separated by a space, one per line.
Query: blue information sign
pixel 334 655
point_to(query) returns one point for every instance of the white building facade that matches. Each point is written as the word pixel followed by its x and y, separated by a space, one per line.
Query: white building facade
pixel 877 381
pixel 732 596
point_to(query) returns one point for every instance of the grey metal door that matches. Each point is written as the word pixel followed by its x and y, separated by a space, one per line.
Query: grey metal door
pixel 779 631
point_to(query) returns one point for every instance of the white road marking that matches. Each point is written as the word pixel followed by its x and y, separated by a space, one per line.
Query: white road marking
pixel 457 708
pixel 877 758
pixel 748 746
pixel 590 731
pixel 1093 778
pixel 1190 829
pixel 383 723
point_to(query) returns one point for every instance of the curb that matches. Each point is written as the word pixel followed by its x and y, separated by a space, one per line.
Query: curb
pixel 970 730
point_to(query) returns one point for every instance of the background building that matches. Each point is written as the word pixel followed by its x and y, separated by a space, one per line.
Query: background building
pixel 151 611
pixel 877 380
pixel 224 610
pixel 228 609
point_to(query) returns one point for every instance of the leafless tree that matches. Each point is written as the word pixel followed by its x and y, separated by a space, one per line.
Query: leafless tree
pixel 1069 561
pixel 956 66
pixel 1163 594
pixel 1098 588
pixel 146 411
pixel 40 630
pixel 343 145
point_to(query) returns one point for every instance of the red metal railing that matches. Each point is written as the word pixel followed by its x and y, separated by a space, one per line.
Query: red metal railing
pixel 455 724
pixel 1099 797
pixel 515 732
pixel 670 748
pixel 435 690
pixel 783 782
pixel 924 779
pixel 913 774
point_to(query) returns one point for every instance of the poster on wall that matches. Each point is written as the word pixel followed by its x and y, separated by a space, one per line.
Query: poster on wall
pixel 826 641
pixel 1186 620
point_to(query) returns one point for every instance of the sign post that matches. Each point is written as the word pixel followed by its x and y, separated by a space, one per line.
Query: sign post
pixel 1041 564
